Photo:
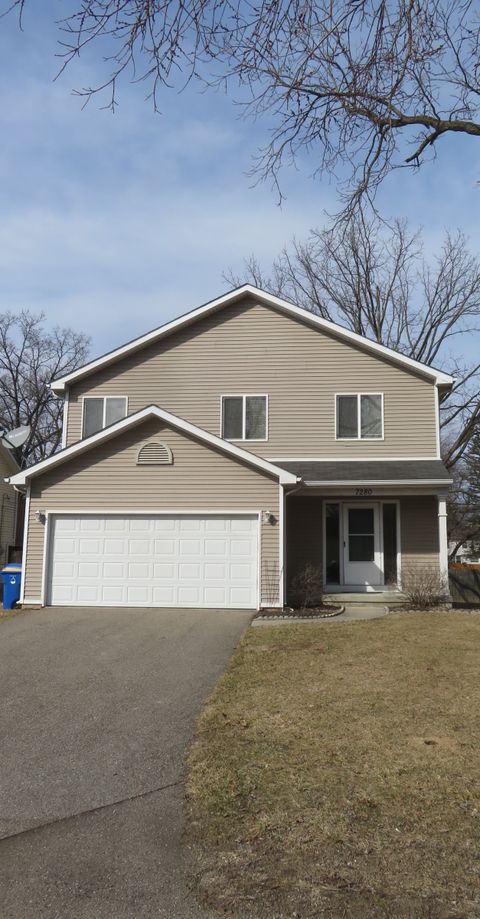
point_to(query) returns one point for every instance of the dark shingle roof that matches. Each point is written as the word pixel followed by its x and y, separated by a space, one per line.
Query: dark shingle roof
pixel 329 471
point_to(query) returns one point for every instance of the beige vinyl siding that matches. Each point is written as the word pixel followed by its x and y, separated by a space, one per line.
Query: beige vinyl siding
pixel 304 528
pixel 108 478
pixel 419 532
pixel 252 348
pixel 8 504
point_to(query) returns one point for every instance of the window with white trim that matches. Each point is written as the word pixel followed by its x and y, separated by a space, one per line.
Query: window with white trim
pixel 359 416
pixel 244 417
pixel 101 411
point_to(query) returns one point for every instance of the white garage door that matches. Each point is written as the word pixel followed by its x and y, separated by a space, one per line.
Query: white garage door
pixel 197 561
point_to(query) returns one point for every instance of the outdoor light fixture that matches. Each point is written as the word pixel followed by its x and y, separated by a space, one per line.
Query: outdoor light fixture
pixel 40 516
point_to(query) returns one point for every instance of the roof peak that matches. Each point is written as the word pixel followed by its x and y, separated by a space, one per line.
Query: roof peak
pixel 285 306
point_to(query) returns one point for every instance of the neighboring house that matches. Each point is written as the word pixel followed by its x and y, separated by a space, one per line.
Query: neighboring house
pixel 11 511
pixel 468 552
pixel 207 462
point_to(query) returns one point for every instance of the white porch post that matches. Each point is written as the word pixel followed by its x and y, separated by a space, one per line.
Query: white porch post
pixel 281 546
pixel 443 540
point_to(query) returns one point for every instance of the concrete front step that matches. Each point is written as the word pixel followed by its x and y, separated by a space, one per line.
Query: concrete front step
pixel 385 598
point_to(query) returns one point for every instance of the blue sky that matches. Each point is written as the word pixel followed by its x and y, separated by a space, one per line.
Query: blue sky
pixel 114 224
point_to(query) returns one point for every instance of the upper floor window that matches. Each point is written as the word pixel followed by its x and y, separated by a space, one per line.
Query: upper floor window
pixel 359 416
pixel 244 417
pixel 101 411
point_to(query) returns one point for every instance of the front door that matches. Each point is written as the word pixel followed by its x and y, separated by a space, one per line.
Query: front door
pixel 362 555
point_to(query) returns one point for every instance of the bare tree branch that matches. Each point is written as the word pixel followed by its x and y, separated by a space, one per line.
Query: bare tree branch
pixel 30 357
pixel 366 85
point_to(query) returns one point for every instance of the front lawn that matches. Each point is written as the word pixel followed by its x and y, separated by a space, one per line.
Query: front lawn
pixel 336 772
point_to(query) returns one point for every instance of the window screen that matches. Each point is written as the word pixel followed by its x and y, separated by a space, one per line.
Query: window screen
pixel 92 416
pixel 99 412
pixel 244 417
pixel 233 417
pixel 255 418
pixel 114 410
pixel 360 416
pixel 347 419
pixel 371 412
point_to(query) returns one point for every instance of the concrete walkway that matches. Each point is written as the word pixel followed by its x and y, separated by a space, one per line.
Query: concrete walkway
pixel 96 714
pixel 353 613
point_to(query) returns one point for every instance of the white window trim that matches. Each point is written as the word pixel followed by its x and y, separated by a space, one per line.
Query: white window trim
pixel 359 438
pixel 109 396
pixel 244 397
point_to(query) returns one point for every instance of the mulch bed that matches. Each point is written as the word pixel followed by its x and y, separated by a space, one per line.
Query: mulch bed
pixel 325 611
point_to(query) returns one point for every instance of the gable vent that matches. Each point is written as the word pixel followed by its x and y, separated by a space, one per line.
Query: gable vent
pixel 154 454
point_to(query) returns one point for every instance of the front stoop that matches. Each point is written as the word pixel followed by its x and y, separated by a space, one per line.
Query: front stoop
pixel 388 598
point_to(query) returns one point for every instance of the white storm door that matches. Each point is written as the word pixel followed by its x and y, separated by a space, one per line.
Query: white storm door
pixel 361 541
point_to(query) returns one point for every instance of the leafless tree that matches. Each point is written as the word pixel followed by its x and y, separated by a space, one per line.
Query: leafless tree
pixel 30 357
pixel 463 510
pixel 367 85
pixel 377 281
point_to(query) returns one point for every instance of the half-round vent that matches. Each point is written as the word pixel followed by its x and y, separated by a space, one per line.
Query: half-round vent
pixel 154 454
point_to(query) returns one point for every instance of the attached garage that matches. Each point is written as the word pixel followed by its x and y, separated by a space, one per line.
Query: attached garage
pixel 106 528
pixel 184 560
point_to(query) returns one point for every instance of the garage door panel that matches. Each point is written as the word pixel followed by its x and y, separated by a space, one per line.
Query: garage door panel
pixel 190 560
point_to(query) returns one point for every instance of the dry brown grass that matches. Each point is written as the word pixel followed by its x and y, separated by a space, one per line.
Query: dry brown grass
pixel 336 773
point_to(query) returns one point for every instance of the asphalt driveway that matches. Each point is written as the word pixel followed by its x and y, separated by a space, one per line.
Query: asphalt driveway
pixel 96 714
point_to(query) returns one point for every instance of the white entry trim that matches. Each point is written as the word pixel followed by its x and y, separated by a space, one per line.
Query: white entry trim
pixel 51 515
pixel 341 503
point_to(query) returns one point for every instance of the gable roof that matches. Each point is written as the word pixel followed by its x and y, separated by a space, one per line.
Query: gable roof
pixel 153 411
pixel 440 378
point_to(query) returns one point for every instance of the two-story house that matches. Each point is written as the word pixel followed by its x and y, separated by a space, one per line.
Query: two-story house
pixel 207 462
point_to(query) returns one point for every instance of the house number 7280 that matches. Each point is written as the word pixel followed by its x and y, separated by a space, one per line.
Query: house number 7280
pixel 362 492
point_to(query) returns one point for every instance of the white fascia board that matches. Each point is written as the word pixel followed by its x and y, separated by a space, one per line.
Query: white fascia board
pixel 370 483
pixel 352 459
pixel 152 411
pixel 58 386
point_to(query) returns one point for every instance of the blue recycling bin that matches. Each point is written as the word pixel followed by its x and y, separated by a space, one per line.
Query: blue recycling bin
pixel 12 581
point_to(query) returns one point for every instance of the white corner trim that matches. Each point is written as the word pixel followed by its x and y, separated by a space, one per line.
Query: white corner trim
pixel 270 300
pixel 65 420
pixel 26 526
pixel 153 411
pixel 281 546
pixel 437 422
